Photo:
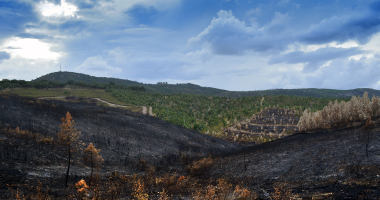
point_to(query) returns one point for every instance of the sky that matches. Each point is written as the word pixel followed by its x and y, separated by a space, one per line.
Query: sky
pixel 239 45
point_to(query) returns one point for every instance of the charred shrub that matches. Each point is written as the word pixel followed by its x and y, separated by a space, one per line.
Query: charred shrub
pixel 200 167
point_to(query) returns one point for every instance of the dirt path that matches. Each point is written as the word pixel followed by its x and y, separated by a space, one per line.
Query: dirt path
pixel 151 111
pixel 110 104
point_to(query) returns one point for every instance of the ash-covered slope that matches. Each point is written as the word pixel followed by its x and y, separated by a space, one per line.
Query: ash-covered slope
pixel 122 136
pixel 320 165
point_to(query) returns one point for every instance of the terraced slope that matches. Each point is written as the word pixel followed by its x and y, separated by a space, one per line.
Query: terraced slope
pixel 270 124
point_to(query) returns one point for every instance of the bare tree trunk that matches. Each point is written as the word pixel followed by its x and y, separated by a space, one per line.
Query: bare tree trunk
pixel 367 144
pixel 68 168
pixel 92 169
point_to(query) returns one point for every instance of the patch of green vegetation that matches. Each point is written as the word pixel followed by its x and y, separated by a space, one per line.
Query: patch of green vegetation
pixel 81 93
pixel 47 84
pixel 137 109
pixel 209 114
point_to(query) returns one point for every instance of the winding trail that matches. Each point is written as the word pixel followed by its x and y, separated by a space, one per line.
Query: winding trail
pixel 110 104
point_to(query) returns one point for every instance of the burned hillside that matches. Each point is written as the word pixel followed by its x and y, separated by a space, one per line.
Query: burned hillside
pixel 328 164
pixel 165 159
pixel 127 140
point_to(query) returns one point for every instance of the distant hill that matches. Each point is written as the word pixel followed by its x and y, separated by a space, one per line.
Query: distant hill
pixel 158 88
pixel 196 89
pixel 308 92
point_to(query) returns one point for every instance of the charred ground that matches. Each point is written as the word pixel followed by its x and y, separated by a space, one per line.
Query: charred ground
pixel 127 140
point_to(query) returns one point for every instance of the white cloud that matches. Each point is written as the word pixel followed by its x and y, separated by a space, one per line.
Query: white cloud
pixel 29 48
pixel 26 69
pixel 96 66
pixel 65 9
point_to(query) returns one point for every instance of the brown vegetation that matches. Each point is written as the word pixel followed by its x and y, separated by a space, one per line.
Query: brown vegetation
pixel 338 114
pixel 200 167
pixel 92 158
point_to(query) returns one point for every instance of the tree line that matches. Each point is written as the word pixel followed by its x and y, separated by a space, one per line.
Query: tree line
pixel 45 84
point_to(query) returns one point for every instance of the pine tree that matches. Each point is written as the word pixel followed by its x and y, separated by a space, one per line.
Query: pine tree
pixel 92 158
pixel 68 138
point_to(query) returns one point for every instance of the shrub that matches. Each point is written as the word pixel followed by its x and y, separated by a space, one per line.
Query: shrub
pixel 200 167
pixel 223 190
pixel 139 190
pixel 82 188
pixel 282 192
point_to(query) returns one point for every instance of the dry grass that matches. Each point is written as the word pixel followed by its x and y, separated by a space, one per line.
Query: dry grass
pixel 28 135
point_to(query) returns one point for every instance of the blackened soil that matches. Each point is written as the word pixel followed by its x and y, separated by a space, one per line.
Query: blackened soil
pixel 125 138
pixel 320 165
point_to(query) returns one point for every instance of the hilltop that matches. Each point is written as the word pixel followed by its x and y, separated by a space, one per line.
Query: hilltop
pixel 196 89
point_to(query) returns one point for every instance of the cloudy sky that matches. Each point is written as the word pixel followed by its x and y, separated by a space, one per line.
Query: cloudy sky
pixel 228 44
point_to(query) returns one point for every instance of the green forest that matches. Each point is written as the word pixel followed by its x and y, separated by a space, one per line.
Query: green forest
pixel 209 114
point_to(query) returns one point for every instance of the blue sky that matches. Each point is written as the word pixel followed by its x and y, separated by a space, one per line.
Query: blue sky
pixel 229 44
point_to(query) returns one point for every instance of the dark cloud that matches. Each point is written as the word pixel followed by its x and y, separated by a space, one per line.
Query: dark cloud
pixel 143 14
pixel 315 59
pixel 88 4
pixel 56 2
pixel 358 27
pixel 227 35
pixel 4 55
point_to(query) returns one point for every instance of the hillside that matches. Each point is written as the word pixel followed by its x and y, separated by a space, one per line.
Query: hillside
pixel 162 158
pixel 110 128
pixel 196 89
pixel 320 165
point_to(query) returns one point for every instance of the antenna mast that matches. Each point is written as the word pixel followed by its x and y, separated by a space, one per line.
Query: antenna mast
pixel 60 69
